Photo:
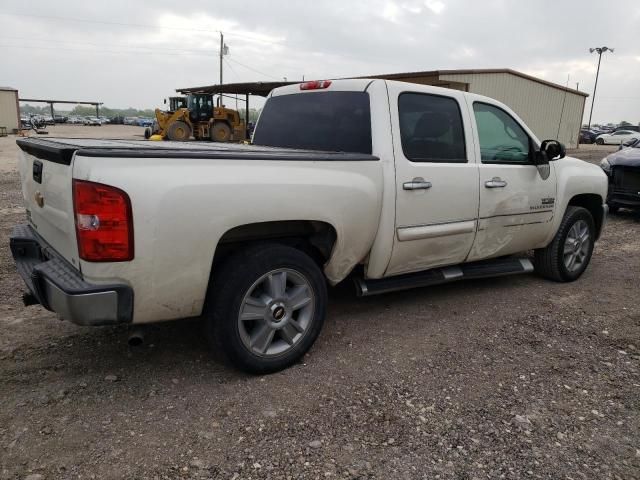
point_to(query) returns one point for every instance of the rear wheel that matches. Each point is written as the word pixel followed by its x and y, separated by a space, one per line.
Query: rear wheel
pixel 179 131
pixel 569 253
pixel 268 305
pixel 221 132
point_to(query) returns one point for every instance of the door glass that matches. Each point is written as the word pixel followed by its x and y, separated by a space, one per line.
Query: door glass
pixel 502 139
pixel 431 128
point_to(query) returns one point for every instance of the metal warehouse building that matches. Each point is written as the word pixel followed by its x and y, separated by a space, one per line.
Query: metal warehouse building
pixel 550 110
pixel 9 109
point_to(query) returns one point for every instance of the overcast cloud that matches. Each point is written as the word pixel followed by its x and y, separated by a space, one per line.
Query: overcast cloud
pixel 143 50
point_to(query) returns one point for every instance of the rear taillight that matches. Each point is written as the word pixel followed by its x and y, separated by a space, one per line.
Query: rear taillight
pixel 315 85
pixel 104 224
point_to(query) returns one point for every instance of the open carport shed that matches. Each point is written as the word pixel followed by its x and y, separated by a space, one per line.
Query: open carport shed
pixel 51 102
pixel 549 109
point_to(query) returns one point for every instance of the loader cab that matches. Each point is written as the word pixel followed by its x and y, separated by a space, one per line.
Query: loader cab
pixel 200 107
pixel 176 103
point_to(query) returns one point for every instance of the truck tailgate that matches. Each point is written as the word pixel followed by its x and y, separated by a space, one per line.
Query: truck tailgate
pixel 46 177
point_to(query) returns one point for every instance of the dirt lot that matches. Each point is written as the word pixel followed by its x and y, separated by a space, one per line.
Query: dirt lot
pixel 506 378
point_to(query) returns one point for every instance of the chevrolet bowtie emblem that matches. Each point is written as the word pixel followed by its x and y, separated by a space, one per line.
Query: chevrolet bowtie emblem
pixel 39 199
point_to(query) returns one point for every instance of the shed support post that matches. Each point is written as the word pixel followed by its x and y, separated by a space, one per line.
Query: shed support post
pixel 246 115
pixel 51 108
pixel 97 110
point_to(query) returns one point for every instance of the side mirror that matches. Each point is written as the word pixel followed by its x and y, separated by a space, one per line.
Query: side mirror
pixel 552 150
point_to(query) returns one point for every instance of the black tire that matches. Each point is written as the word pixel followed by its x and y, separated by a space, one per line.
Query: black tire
pixel 147 133
pixel 549 262
pixel 234 280
pixel 179 131
pixel 599 141
pixel 220 132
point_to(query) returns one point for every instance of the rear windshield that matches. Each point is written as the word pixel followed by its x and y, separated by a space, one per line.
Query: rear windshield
pixel 328 121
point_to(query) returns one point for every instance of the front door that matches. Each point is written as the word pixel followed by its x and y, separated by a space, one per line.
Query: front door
pixel 436 179
pixel 517 198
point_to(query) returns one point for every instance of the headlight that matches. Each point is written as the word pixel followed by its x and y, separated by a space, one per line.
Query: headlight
pixel 606 166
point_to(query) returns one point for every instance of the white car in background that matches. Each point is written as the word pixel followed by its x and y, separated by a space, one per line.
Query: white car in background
pixel 616 138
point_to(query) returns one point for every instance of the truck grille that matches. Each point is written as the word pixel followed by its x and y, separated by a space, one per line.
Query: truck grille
pixel 626 179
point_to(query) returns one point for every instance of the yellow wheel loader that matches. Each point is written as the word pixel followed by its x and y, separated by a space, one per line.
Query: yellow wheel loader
pixel 196 116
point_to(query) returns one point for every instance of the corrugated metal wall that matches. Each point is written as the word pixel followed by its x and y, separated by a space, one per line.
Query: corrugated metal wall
pixel 539 105
pixel 8 110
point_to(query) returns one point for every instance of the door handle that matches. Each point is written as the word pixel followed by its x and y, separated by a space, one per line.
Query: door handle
pixel 417 183
pixel 495 182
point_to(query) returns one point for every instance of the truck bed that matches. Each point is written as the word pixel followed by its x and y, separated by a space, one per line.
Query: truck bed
pixel 61 150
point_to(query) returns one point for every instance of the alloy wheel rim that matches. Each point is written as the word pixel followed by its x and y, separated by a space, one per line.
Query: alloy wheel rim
pixel 276 312
pixel 576 246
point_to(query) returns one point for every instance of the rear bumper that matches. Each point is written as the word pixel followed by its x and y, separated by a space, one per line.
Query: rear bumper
pixel 59 287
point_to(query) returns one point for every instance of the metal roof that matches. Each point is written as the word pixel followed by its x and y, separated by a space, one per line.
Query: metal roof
pixel 263 88
pixel 248 88
pixel 8 89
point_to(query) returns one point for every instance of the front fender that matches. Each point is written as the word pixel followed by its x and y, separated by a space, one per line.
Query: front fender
pixel 575 177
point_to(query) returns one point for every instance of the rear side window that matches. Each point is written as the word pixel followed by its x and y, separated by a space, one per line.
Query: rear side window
pixel 327 121
pixel 431 128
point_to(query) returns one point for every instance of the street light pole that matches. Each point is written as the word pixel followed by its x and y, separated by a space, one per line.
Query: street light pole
pixel 600 51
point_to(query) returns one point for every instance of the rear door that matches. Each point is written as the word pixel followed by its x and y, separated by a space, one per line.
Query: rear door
pixel 517 198
pixel 436 178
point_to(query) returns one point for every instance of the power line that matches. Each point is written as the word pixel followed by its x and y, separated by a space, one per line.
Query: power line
pixel 254 70
pixel 232 69
pixel 120 52
pixel 141 25
pixel 126 46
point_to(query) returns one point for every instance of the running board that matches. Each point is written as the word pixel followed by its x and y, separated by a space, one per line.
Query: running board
pixel 487 268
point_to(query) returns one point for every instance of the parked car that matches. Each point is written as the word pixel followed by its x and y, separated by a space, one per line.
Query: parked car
pixel 75 120
pixel 130 120
pixel 92 121
pixel 635 128
pixel 144 122
pixel 103 120
pixel 587 136
pixel 616 138
pixel 623 169
pixel 60 119
pixel 394 184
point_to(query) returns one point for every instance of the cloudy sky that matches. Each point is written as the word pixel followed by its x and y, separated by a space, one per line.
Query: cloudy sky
pixel 135 53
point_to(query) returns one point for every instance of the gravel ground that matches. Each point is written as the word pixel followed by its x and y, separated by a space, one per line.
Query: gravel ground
pixel 505 378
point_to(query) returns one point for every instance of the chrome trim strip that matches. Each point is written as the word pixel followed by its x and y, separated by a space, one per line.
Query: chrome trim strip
pixel 433 231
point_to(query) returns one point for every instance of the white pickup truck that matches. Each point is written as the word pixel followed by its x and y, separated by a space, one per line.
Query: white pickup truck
pixel 393 184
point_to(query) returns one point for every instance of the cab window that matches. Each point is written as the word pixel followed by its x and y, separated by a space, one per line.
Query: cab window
pixel 502 139
pixel 431 128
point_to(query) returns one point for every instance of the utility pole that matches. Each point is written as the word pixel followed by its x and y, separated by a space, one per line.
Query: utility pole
pixel 600 51
pixel 221 56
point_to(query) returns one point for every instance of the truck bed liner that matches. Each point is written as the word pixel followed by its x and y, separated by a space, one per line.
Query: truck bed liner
pixel 62 150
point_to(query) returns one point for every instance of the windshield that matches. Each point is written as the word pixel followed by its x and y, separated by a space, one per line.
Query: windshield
pixel 327 121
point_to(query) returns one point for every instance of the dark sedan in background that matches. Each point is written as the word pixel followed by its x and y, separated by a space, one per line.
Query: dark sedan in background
pixel 623 169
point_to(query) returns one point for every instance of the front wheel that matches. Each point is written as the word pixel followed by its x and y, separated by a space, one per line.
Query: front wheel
pixel 569 253
pixel 220 132
pixel 267 307
pixel 599 141
pixel 179 131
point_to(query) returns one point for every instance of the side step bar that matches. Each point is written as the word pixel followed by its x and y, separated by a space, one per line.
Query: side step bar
pixel 487 268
